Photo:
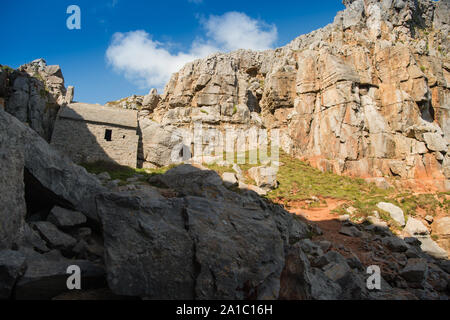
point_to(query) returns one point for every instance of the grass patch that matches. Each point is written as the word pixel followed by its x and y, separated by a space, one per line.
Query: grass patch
pixel 122 173
pixel 298 182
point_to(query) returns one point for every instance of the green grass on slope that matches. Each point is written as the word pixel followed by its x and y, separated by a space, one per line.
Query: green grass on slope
pixel 119 172
pixel 298 181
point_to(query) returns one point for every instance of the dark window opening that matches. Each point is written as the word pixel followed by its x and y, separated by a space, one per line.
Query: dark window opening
pixel 108 135
pixel 123 137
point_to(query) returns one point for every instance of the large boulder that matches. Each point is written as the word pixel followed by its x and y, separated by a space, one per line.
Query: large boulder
pixel 46 170
pixel 161 144
pixel 265 177
pixel 395 212
pixel 195 247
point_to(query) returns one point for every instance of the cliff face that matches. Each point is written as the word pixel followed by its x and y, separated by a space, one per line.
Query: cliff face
pixel 33 93
pixel 367 95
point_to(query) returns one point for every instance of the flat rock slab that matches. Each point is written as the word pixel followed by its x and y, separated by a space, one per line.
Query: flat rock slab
pixel 54 237
pixel 395 212
pixel 61 217
pixel 46 278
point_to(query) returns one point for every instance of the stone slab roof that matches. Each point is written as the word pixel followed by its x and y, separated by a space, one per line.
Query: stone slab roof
pixel 100 114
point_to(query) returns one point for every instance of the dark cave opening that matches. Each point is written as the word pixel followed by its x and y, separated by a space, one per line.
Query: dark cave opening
pixel 40 200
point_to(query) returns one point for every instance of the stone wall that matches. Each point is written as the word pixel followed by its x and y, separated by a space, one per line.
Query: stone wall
pixel 85 142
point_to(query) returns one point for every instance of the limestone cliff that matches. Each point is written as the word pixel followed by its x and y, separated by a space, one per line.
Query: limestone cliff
pixel 367 95
pixel 33 93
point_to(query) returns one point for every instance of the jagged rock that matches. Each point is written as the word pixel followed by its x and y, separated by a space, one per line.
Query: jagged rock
pixel 300 282
pixel 70 93
pixel 62 218
pixel 330 257
pixel 415 227
pixel 12 266
pixel 230 179
pixel 69 184
pixel 352 284
pixel 35 95
pixel 395 212
pixel 265 177
pixel 432 248
pixel 395 244
pixel 416 271
pixel 54 237
pixel 151 100
pixel 355 263
pixel 363 96
pixel 311 248
pixel 160 143
pixel 32 239
pixel 187 233
pixel 435 142
pixel 351 231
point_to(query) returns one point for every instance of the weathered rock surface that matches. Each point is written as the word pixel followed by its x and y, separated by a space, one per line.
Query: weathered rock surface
pixel 61 217
pixel 198 246
pixel 265 177
pixel 395 212
pixel 416 228
pixel 35 94
pixel 46 278
pixel 12 266
pixel 50 170
pixel 416 271
pixel 367 95
pixel 54 237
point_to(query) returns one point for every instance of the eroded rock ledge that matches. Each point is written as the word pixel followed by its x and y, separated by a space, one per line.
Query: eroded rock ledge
pixel 367 95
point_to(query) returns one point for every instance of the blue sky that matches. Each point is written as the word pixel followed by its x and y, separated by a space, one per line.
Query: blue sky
pixel 127 47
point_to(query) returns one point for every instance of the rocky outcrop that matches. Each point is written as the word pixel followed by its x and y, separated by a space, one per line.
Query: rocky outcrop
pixel 33 171
pixel 210 243
pixel 34 93
pixel 367 95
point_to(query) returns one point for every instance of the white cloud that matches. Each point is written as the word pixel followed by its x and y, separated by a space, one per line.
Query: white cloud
pixel 235 30
pixel 149 63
